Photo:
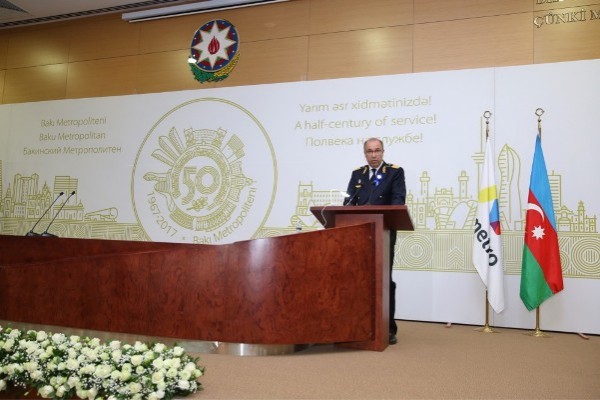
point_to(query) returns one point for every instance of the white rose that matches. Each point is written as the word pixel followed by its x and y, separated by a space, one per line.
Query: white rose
pixel 73 381
pixel 8 344
pixel 46 391
pixel 185 375
pixel 190 367
pixel 137 360
pixel 15 333
pixel 41 336
pixel 30 366
pixel 158 363
pixel 159 347
pixel 159 394
pixel 139 346
pixel 95 342
pixel 125 375
pixel 172 372
pixel 13 368
pixel 103 371
pixel 2 385
pixel 157 377
pixel 58 338
pixel 60 391
pixel 37 375
pixel 183 384
pixel 134 387
pixel 149 355
pixel 178 351
pixel 115 375
pixel 115 345
pixel 116 355
pixel 72 364
pixel 87 370
pixel 74 339
pixel 140 370
pixel 32 348
pixel 92 393
pixel 92 355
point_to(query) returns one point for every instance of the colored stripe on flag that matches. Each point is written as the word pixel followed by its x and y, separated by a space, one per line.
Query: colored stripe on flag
pixel 487 243
pixel 541 271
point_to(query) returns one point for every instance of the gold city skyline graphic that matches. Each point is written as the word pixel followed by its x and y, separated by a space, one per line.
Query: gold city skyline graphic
pixel 443 218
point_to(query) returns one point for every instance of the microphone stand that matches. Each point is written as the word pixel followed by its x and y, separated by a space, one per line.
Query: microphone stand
pixel 351 199
pixel 31 232
pixel 46 234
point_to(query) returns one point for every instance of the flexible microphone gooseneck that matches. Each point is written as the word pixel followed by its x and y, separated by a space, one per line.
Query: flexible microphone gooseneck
pixel 46 234
pixel 358 188
pixel 31 232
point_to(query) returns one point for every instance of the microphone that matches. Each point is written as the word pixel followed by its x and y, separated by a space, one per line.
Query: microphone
pixel 31 232
pixel 46 234
pixel 349 201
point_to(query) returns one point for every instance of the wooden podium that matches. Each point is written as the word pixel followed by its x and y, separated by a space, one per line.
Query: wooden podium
pixel 386 218
pixel 284 290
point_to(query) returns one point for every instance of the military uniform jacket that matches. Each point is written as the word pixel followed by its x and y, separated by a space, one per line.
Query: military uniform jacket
pixel 387 187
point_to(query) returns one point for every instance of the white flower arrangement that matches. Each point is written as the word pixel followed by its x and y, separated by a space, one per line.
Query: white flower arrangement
pixel 62 367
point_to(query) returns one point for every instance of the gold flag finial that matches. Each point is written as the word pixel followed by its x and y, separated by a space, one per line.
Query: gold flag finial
pixel 539 112
pixel 487 115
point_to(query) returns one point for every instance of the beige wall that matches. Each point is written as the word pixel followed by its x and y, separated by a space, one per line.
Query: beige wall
pixel 293 41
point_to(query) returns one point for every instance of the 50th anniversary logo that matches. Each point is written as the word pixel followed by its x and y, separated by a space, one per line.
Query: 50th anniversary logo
pixel 205 173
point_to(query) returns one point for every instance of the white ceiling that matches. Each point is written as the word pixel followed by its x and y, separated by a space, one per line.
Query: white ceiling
pixel 15 13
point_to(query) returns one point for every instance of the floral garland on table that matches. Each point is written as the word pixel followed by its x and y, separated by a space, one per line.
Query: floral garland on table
pixel 62 367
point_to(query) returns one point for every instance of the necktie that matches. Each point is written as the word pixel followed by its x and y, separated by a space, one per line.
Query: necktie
pixel 373 173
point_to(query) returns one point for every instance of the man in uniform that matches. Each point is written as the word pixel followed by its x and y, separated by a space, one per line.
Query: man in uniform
pixel 379 183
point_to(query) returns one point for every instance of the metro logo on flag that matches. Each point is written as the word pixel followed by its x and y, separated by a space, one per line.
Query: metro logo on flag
pixel 487 244
pixel 541 272
pixel 495 216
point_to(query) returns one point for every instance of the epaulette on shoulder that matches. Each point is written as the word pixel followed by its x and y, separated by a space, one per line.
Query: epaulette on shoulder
pixel 394 166
pixel 362 167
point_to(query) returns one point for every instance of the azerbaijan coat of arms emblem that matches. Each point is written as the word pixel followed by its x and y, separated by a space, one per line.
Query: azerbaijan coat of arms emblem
pixel 214 51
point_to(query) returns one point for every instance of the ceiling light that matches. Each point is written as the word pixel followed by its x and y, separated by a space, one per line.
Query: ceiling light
pixel 193 8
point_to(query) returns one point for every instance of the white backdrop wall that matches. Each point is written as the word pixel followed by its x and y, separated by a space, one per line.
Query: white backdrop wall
pixel 221 165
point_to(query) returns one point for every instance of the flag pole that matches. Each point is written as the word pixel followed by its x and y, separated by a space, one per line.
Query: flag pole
pixel 538 332
pixel 486 328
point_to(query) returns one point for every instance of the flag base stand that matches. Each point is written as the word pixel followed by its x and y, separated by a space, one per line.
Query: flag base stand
pixel 486 329
pixel 537 332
